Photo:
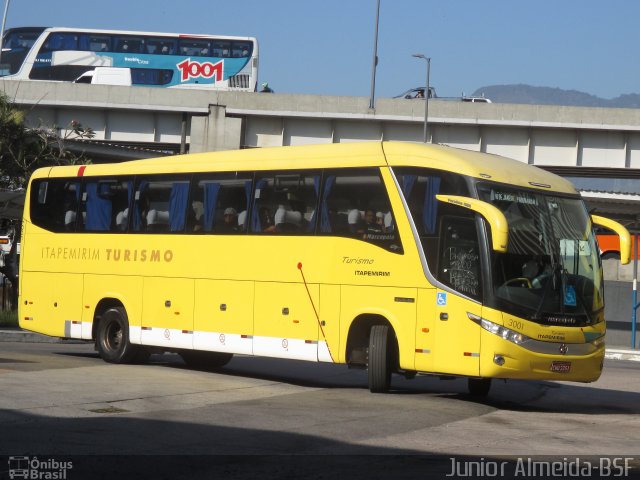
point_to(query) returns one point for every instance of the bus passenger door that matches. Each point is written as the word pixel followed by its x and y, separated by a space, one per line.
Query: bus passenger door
pixel 167 312
pixel 285 323
pixel 457 336
pixel 223 316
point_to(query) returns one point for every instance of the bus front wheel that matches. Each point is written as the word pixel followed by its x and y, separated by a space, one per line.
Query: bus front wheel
pixel 380 359
pixel 112 339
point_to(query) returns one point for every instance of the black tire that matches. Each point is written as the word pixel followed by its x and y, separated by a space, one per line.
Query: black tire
pixel 479 387
pixel 112 337
pixel 381 358
pixel 205 360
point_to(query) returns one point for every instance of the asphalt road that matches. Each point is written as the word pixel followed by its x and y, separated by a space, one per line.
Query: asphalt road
pixel 60 400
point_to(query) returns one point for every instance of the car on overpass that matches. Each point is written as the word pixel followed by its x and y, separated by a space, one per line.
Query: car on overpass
pixel 418 93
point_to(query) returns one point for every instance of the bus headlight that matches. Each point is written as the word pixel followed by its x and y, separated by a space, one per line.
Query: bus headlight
pixel 506 333
pixel 598 342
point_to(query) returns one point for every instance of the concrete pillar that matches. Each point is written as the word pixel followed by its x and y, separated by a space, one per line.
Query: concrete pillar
pixel 215 131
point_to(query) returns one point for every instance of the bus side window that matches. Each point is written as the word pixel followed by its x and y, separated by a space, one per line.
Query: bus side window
pixel 96 207
pixel 160 205
pixel 54 204
pixel 221 49
pixel 105 205
pixel 285 203
pixel 95 43
pixel 240 49
pixel 356 204
pixel 420 187
pixel 219 203
pixel 60 41
pixel 194 47
pixel 160 46
pixel 129 45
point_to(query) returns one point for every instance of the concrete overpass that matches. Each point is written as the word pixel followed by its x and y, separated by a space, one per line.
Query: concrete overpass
pixel 535 134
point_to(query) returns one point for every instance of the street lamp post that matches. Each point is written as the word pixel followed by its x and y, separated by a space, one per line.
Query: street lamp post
pixel 426 96
pixel 375 58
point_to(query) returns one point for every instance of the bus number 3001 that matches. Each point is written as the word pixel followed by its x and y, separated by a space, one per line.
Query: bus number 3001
pixel 518 325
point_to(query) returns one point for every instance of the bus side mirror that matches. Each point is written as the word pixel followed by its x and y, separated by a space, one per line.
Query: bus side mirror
pixel 623 233
pixel 493 216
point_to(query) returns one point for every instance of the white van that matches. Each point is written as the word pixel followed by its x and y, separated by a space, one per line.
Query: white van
pixel 106 76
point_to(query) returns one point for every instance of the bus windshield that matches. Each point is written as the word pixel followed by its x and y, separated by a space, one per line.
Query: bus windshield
pixel 551 271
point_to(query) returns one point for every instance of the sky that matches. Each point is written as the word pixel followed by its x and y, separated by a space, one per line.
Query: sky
pixel 326 47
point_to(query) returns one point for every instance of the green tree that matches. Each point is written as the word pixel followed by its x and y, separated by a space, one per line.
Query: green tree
pixel 24 149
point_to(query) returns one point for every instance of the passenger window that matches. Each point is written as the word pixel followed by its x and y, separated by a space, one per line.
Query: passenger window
pixel 160 205
pixel 130 45
pixel 355 204
pixel 160 46
pixel 240 49
pixel 285 203
pixel 219 204
pixel 105 205
pixel 60 41
pixel 194 47
pixel 221 49
pixel 54 204
pixel 95 43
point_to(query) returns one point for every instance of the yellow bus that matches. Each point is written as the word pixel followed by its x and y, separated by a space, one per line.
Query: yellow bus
pixel 394 257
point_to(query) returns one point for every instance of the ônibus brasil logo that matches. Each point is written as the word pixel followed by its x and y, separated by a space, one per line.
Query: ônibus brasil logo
pixel 189 69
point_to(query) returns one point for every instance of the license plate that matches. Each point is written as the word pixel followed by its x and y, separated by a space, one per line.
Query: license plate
pixel 561 367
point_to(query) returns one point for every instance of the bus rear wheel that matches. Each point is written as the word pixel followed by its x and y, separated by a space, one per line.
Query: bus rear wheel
pixel 205 360
pixel 112 338
pixel 479 387
pixel 381 357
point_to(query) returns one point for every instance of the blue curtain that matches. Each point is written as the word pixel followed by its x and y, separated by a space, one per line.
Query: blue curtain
pixel 430 211
pixel 137 214
pixel 211 191
pixel 255 214
pixel 98 209
pixel 408 181
pixel 178 206
pixel 312 223
pixel 325 220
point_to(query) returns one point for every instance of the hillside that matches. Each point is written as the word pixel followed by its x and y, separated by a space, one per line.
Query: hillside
pixel 554 96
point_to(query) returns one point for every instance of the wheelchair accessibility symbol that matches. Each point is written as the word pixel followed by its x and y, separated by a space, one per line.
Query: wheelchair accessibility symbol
pixel 441 299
